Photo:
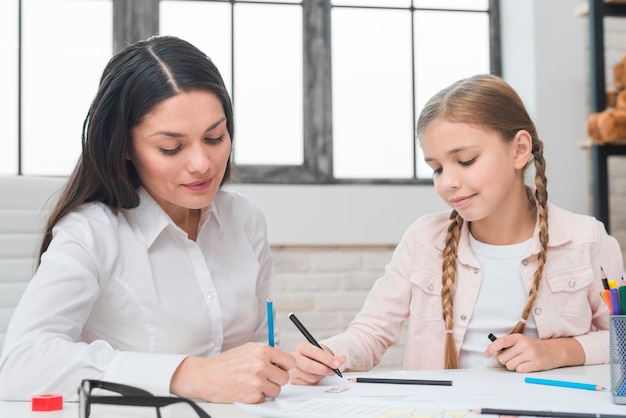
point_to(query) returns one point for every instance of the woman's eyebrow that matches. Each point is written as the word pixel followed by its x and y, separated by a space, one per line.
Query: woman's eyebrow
pixel 178 135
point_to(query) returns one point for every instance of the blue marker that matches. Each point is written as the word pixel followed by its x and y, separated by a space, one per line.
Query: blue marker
pixel 615 310
pixel 270 321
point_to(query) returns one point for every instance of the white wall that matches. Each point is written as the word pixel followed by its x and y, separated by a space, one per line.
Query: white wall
pixel 543 58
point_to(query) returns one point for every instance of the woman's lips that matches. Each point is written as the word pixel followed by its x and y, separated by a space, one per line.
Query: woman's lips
pixel 199 185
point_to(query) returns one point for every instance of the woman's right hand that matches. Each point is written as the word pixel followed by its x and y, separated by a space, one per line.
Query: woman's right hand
pixel 248 374
pixel 313 364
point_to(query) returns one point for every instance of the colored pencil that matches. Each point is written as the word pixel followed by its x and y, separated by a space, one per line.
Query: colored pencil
pixel 563 383
pixel 605 280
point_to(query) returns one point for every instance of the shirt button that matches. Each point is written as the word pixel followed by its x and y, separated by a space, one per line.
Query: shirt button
pixel 211 294
pixel 524 263
pixel 572 283
pixel 475 271
pixel 430 287
pixel 537 311
pixel 463 317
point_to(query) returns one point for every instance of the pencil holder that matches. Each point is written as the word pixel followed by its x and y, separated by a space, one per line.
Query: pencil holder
pixel 617 359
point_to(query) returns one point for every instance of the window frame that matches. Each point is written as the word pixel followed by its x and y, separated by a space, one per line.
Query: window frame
pixel 317 167
pixel 134 20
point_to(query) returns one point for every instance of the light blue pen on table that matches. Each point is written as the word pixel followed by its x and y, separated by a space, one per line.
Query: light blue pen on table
pixel 270 322
pixel 563 383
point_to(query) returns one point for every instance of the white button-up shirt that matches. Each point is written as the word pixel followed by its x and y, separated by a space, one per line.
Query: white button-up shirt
pixel 126 297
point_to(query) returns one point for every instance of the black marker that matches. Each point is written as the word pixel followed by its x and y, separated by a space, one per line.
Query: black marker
pixel 308 336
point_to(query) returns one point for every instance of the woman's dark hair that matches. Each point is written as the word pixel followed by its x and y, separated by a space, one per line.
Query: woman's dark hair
pixel 134 82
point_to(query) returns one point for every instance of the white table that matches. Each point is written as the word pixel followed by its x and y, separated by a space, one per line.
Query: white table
pixel 471 389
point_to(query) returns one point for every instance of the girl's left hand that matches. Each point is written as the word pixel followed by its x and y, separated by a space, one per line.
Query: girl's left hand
pixel 524 354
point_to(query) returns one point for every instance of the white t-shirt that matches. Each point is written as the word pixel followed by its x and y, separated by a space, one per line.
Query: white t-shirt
pixel 126 297
pixel 500 302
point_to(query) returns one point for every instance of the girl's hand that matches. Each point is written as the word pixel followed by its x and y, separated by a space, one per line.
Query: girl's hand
pixel 248 374
pixel 313 364
pixel 524 354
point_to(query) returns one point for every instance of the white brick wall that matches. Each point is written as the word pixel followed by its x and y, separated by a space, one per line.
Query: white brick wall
pixel 326 287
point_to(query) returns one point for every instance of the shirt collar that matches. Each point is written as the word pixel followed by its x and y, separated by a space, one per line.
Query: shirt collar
pixel 149 219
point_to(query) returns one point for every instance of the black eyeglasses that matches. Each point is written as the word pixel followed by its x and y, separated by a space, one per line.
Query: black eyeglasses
pixel 131 396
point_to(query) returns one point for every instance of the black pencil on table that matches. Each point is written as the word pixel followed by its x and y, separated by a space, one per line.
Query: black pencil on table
pixel 549 414
pixel 401 381
pixel 308 336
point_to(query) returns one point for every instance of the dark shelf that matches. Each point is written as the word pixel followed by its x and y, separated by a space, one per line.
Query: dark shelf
pixel 598 10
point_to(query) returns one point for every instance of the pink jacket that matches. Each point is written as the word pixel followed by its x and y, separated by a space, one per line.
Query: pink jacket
pixel 568 303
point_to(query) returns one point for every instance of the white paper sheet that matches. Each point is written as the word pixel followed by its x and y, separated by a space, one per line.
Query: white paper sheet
pixel 352 408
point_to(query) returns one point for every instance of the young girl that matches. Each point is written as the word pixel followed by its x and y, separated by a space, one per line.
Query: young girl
pixel 505 261
pixel 151 274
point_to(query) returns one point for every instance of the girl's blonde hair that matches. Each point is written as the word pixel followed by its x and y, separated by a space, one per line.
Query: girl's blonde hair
pixel 489 102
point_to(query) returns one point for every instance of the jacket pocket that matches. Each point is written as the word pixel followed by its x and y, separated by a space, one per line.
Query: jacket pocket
pixel 426 296
pixel 570 289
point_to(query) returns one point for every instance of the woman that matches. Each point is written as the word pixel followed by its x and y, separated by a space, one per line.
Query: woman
pixel 150 274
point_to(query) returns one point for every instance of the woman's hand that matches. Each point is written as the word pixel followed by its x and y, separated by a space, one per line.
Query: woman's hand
pixel 313 364
pixel 248 374
pixel 524 354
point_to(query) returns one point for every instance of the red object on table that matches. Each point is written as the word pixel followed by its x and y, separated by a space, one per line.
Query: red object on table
pixel 47 402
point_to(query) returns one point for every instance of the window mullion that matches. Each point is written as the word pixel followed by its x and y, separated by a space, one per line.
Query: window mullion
pixel 134 20
pixel 317 91
pixel 494 37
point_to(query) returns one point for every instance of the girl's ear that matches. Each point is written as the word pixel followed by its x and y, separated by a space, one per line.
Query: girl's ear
pixel 523 144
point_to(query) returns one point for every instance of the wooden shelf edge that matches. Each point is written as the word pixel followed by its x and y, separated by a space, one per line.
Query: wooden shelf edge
pixel 586 143
pixel 583 9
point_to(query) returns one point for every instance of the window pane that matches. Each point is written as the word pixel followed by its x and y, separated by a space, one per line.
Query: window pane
pixel 66 44
pixel 452 4
pixel 268 84
pixel 379 3
pixel 372 93
pixel 452 57
pixel 8 86
pixel 188 20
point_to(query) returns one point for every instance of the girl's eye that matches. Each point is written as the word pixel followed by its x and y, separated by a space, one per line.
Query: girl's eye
pixel 437 171
pixel 468 162
pixel 213 141
pixel 170 151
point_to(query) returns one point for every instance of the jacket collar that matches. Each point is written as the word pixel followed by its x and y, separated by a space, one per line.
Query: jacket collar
pixel 558 232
